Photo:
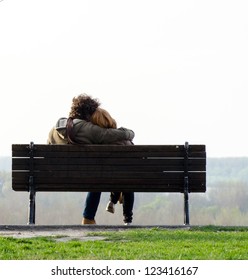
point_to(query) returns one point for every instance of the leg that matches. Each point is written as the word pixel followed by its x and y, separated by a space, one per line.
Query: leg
pixel 91 205
pixel 114 197
pixel 128 201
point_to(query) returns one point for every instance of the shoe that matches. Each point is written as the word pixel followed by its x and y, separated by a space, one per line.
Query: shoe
pixel 86 221
pixel 127 224
pixel 110 207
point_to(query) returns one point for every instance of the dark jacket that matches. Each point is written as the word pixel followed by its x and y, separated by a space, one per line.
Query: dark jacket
pixel 88 133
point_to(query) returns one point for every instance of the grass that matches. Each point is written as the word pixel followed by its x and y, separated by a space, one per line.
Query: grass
pixel 197 243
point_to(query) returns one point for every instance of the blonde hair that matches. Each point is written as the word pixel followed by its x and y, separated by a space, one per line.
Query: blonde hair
pixel 103 119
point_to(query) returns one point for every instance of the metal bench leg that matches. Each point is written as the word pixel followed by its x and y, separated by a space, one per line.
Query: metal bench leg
pixel 186 204
pixel 31 219
pixel 186 184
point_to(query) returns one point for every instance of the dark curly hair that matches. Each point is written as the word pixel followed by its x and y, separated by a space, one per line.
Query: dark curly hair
pixel 83 106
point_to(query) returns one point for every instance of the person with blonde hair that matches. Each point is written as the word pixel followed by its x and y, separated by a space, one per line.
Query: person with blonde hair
pixel 102 118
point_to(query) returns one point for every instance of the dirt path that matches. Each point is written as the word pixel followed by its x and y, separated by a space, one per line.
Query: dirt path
pixel 67 232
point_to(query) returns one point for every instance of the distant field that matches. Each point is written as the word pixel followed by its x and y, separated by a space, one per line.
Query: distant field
pixel 197 243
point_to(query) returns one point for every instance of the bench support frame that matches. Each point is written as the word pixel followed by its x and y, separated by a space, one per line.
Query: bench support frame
pixel 186 184
pixel 31 187
pixel 32 192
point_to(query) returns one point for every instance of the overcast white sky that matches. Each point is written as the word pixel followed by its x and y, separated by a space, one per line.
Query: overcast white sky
pixel 173 71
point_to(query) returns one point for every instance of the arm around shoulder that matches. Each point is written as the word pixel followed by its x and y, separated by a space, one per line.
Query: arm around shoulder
pixel 130 133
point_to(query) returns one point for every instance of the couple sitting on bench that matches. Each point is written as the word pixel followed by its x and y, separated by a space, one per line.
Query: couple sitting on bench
pixel 88 123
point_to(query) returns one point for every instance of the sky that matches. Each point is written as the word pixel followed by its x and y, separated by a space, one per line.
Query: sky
pixel 172 71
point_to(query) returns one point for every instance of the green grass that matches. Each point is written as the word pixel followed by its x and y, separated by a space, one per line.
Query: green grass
pixel 197 243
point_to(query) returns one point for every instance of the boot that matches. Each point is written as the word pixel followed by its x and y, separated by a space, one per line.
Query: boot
pixel 86 221
pixel 110 207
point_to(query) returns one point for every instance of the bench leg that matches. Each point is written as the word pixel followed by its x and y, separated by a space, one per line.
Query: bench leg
pixel 186 208
pixel 186 200
pixel 186 184
pixel 31 219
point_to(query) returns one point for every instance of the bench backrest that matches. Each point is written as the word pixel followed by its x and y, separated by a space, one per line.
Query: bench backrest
pixel 138 168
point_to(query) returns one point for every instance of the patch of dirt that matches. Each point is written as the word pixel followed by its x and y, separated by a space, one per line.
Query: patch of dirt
pixel 58 235
pixel 68 232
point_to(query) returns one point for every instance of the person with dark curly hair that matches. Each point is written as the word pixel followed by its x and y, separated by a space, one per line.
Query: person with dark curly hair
pixel 102 118
pixel 78 129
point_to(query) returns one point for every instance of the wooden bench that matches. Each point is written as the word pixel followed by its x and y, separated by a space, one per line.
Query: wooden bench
pixel 106 168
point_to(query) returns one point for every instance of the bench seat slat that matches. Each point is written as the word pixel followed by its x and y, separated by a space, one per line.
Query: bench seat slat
pixel 63 187
pixel 109 148
pixel 54 175
pixel 124 154
pixel 176 180
pixel 107 168
pixel 22 150
pixel 99 164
